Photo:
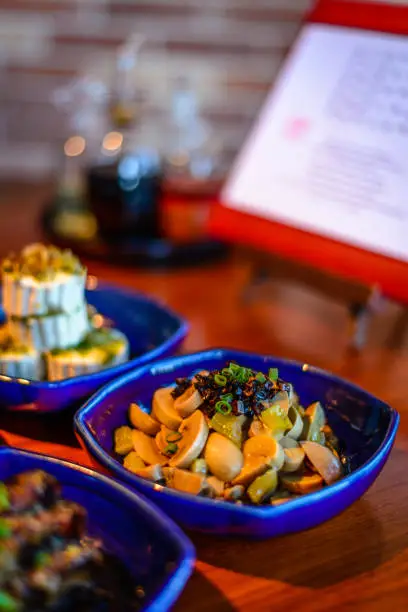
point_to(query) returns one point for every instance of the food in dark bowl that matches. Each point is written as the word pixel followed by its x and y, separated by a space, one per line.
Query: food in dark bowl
pixel 234 434
pixel 47 560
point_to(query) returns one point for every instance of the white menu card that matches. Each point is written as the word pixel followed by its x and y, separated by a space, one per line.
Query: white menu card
pixel 329 151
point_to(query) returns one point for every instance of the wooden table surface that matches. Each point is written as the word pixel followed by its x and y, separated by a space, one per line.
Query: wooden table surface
pixel 357 561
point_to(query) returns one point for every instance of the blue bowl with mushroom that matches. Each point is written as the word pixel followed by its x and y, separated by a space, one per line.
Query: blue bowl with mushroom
pixel 365 426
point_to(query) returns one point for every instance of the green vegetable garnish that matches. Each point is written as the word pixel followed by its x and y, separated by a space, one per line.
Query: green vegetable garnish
pixel 173 436
pixel 8 603
pixel 260 377
pixel 223 407
pixel 171 449
pixel 220 380
pixel 273 373
pixel 4 498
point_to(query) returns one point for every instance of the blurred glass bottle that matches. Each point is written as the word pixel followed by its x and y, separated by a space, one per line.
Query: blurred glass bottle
pixel 123 183
pixel 191 165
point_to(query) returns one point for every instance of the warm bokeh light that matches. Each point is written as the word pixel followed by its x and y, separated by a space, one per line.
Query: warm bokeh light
pixel 112 143
pixel 74 146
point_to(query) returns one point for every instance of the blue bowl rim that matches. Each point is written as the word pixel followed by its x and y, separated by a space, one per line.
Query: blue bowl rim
pixel 261 512
pixel 184 546
pixel 150 356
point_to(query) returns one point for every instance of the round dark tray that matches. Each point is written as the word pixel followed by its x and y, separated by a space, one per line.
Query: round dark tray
pixel 135 251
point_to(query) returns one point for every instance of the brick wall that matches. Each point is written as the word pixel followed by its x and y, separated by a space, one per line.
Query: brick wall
pixel 231 50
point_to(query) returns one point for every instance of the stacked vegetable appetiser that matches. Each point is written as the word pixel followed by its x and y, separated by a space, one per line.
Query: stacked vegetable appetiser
pixel 47 560
pixel 232 434
pixel 49 332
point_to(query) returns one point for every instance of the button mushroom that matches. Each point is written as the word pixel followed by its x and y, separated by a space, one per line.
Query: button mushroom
pixel 264 446
pixel 223 457
pixel 323 460
pixel 194 434
pixel 252 468
pixel 188 402
pixel 146 448
pixel 143 421
pixel 163 409
pixel 306 482
pixel 263 487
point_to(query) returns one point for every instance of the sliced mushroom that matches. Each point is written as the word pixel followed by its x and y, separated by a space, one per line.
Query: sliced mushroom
pixel 313 422
pixel 146 448
pixel 263 487
pixel 297 424
pixel 187 403
pixel 234 493
pixel 252 468
pixel 151 472
pixel 223 457
pixel 186 481
pixel 323 460
pixel 194 432
pixel 305 482
pixel 216 486
pixel 133 462
pixel 294 458
pixel 163 409
pixel 143 421
pixel 264 446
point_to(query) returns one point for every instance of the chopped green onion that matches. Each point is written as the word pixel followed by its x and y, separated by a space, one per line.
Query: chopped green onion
pixel 220 380
pixel 260 377
pixel 5 530
pixel 273 373
pixel 223 407
pixel 173 436
pixel 171 449
pixel 226 372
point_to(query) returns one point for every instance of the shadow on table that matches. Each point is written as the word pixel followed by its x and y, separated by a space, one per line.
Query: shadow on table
pixel 346 546
pixel 201 594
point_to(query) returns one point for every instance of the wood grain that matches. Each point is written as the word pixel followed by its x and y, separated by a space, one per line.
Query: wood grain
pixel 357 561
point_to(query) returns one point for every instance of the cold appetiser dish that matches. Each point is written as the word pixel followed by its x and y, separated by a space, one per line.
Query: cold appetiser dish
pixel 50 331
pixel 232 434
pixel 47 560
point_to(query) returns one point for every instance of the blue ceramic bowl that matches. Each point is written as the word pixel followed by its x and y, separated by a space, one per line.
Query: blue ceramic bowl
pixel 365 425
pixel 155 550
pixel 153 331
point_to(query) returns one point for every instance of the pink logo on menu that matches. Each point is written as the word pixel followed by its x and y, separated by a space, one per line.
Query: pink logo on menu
pixel 296 128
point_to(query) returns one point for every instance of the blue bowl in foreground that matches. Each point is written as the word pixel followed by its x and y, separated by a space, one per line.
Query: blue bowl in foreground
pixel 158 554
pixel 153 331
pixel 365 425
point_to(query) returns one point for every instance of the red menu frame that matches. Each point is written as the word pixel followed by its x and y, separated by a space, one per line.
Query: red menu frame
pixel 330 255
